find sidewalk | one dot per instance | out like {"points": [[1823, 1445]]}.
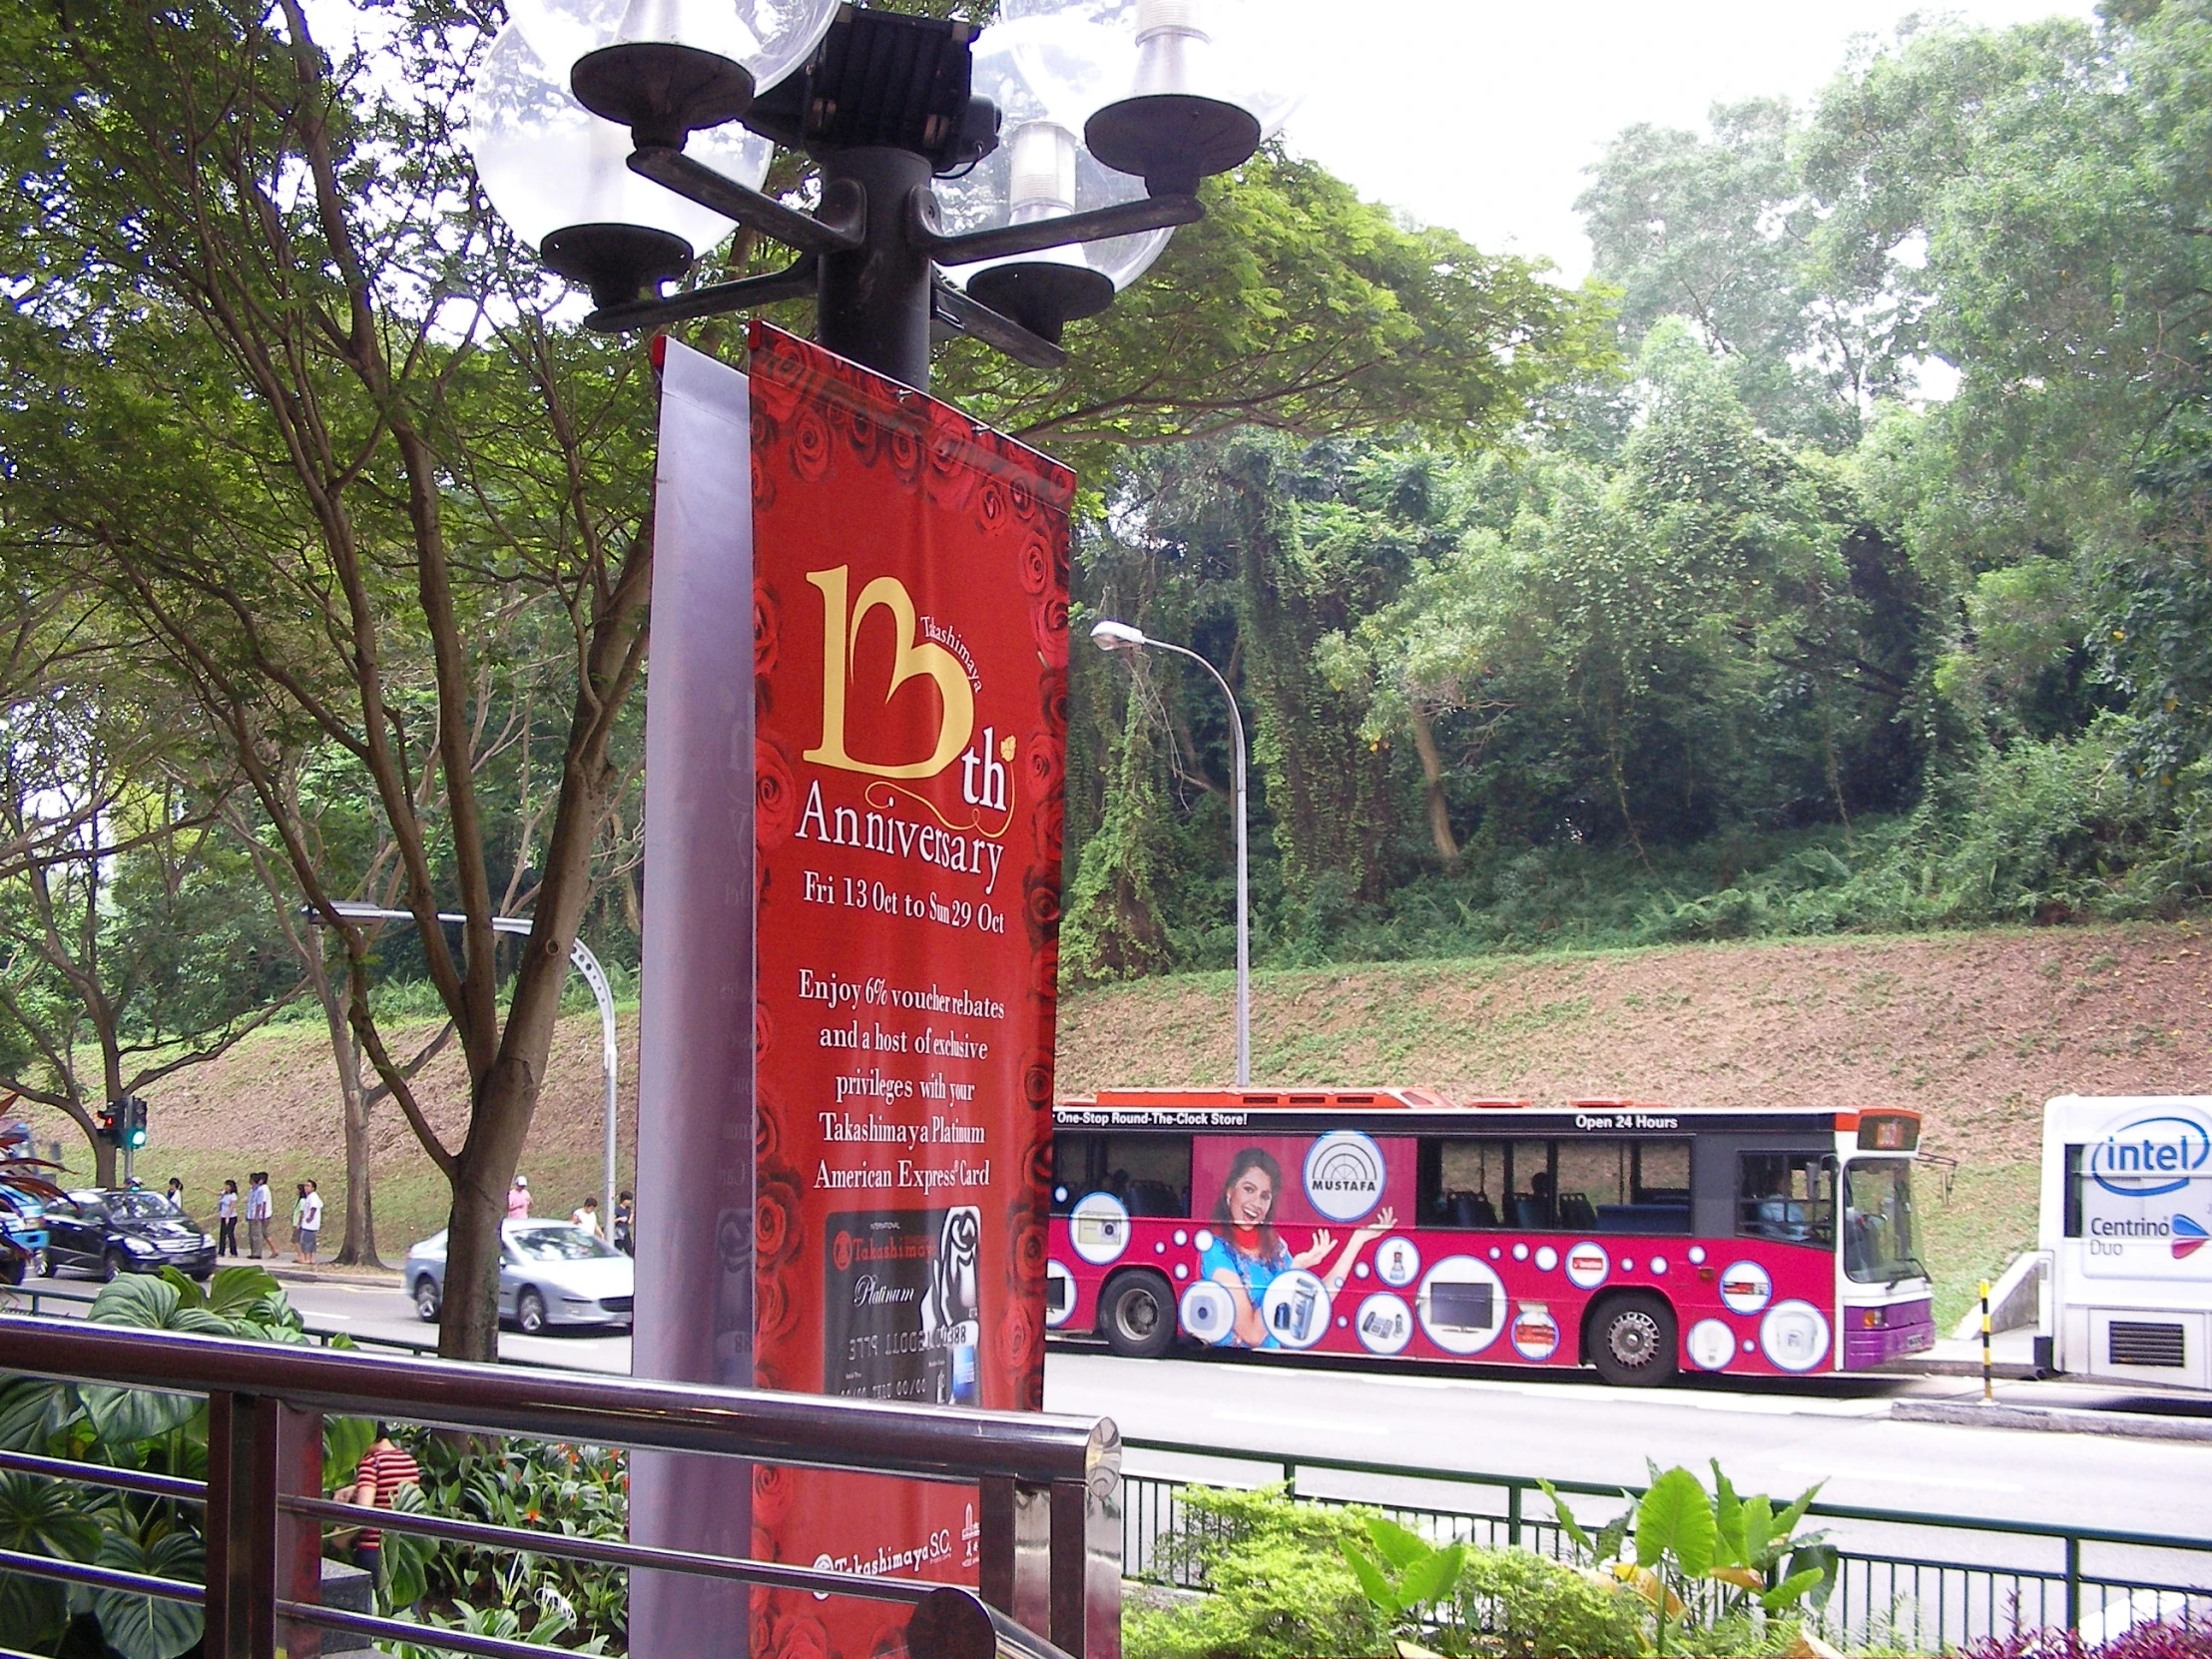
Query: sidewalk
{"points": [[291, 1273]]}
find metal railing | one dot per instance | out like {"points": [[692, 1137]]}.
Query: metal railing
{"points": [[2089, 1578], [1048, 1487]]}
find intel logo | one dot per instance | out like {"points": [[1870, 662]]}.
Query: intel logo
{"points": [[2150, 1156]]}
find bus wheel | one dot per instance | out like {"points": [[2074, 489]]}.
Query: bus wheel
{"points": [[1137, 1315], [1631, 1340]]}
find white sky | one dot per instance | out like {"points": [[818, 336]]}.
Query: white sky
{"points": [[1481, 116]]}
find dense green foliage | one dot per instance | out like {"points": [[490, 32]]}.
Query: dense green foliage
{"points": [[1760, 638]]}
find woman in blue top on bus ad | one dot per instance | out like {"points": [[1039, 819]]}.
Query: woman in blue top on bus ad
{"points": [[1247, 1256]]}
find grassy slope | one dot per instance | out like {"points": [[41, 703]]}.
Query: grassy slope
{"points": [[1974, 1029]]}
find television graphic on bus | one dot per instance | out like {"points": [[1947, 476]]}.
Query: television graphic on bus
{"points": [[1641, 1240]]}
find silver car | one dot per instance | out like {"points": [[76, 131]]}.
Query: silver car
{"points": [[550, 1273]]}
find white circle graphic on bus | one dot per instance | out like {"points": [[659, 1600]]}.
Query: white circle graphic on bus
{"points": [[1712, 1344], [1343, 1176], [1099, 1228], [1744, 1286], [1059, 1294], [1296, 1310], [1546, 1258], [1386, 1324], [1208, 1311], [1794, 1335], [1535, 1332], [1462, 1305], [1397, 1262], [1588, 1266]]}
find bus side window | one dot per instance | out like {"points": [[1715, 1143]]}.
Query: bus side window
{"points": [[2073, 1191], [1076, 1168], [1461, 1183], [1787, 1196], [1150, 1174]]}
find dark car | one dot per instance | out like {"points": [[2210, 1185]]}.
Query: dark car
{"points": [[107, 1233]]}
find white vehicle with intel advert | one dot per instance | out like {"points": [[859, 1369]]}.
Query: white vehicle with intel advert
{"points": [[2127, 1234]]}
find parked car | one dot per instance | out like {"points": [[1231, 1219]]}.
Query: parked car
{"points": [[112, 1232], [550, 1273]]}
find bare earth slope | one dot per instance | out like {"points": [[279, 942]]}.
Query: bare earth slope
{"points": [[1974, 1029]]}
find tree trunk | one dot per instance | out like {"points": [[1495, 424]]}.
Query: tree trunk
{"points": [[1433, 770], [359, 1246], [469, 1326]]}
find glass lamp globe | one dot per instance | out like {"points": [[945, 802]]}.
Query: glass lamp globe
{"points": [[668, 68], [1210, 81], [1046, 72], [557, 174]]}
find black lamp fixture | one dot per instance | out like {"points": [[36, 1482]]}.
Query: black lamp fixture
{"points": [[998, 187]]}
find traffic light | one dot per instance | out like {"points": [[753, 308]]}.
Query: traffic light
{"points": [[134, 1122], [107, 1127]]}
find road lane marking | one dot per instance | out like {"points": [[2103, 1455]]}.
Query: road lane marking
{"points": [[1963, 1483]]}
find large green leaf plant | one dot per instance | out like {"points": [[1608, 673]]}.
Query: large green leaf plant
{"points": [[131, 1428]]}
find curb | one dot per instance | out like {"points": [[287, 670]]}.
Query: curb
{"points": [[2053, 1420], [291, 1273], [2008, 1371]]}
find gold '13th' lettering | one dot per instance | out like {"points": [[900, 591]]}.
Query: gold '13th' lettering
{"points": [[841, 644]]}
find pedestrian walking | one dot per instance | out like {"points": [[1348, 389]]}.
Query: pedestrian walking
{"points": [[626, 1223], [587, 1217], [176, 1194], [260, 1207], [311, 1221], [384, 1468], [227, 1220], [518, 1199]]}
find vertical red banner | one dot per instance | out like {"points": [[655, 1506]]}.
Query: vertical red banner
{"points": [[910, 692]]}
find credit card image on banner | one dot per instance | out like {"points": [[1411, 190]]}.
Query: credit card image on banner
{"points": [[900, 1312]]}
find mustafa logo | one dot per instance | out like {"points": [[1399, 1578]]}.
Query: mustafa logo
{"points": [[1343, 1176], [2151, 1156]]}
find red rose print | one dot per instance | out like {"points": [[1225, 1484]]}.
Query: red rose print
{"points": [[1044, 970], [990, 505], [1040, 1159], [1056, 700], [1040, 902], [1049, 822], [800, 1636], [1022, 1352], [777, 1207], [1044, 759], [775, 797], [951, 469], [1036, 1078], [763, 487], [764, 1031], [1049, 620], [1025, 1245], [890, 1642], [904, 449], [1036, 568], [809, 445], [1021, 496], [773, 1485], [860, 428], [773, 1315], [766, 629]]}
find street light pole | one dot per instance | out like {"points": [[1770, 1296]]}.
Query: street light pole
{"points": [[1119, 636], [585, 963]]}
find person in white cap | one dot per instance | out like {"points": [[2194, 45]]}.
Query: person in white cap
{"points": [[518, 1199]]}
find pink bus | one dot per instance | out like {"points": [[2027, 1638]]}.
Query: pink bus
{"points": [[1638, 1239]]}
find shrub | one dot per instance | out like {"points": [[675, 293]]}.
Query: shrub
{"points": [[1532, 1607]]}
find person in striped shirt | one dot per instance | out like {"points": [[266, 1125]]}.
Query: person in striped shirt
{"points": [[384, 1468]]}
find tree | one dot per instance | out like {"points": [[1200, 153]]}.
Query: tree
{"points": [[126, 943], [283, 390]]}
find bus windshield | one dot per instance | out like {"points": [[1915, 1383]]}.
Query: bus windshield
{"points": [[1879, 1241]]}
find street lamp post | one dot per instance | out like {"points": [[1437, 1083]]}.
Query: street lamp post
{"points": [[1119, 636], [621, 155], [594, 975]]}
